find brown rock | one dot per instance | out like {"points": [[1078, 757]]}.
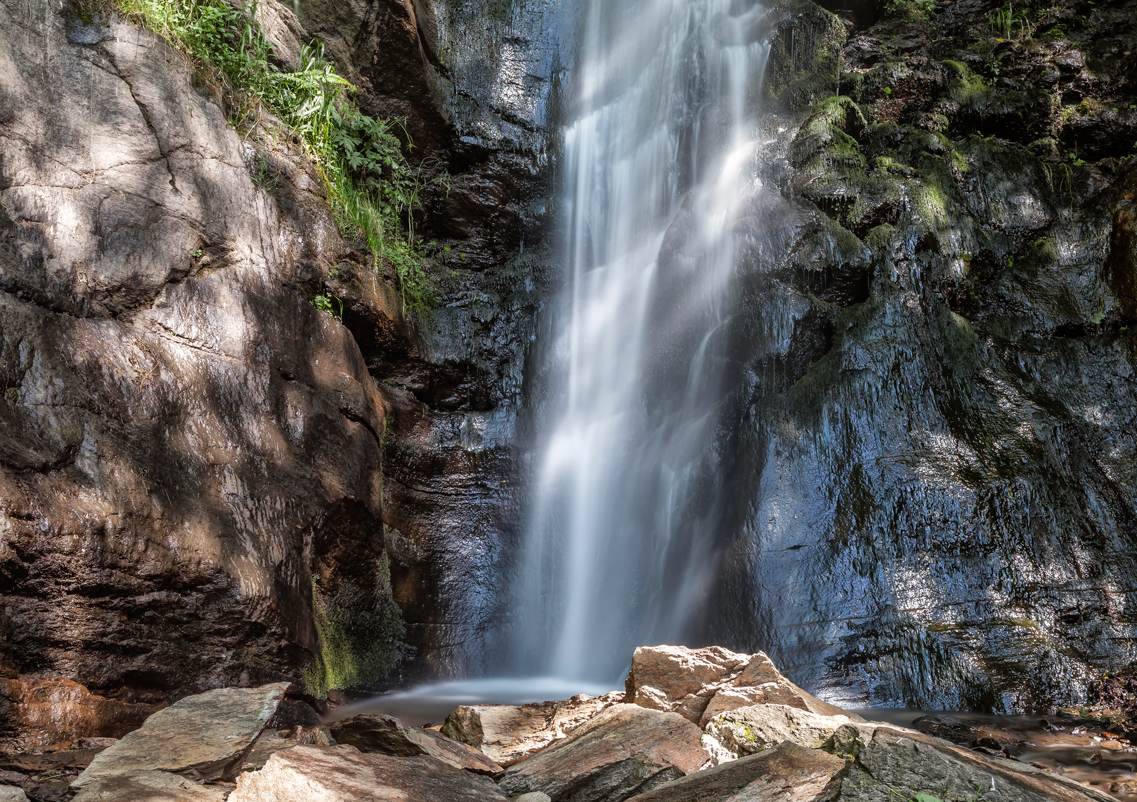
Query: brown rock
{"points": [[623, 751], [509, 733], [786, 773], [55, 713], [387, 735], [208, 734], [344, 774], [699, 684], [148, 786]]}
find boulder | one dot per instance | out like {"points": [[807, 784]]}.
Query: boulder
{"points": [[206, 735], [387, 735], [622, 751], [786, 773], [344, 774], [887, 764], [747, 730], [148, 786], [699, 684], [509, 733]]}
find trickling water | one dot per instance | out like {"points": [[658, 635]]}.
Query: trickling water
{"points": [[660, 161]]}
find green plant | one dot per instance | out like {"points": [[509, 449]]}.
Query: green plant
{"points": [[326, 302], [922, 10], [373, 189], [1010, 24]]}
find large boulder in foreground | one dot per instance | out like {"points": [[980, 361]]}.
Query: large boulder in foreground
{"points": [[206, 736], [620, 752], [344, 774], [787, 773], [387, 735], [699, 684], [509, 733]]}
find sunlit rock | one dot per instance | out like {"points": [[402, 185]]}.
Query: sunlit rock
{"points": [[622, 751], [788, 773], [509, 733], [701, 683], [344, 774], [207, 734]]}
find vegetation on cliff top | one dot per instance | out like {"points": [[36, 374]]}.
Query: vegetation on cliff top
{"points": [[372, 188]]}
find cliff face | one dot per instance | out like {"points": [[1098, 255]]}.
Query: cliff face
{"points": [[186, 440], [922, 491], [189, 446], [927, 472]]}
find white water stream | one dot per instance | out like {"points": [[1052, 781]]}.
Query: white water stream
{"points": [[659, 161]]}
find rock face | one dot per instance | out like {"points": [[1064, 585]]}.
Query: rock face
{"points": [[623, 750], [207, 735], [787, 773], [344, 774], [387, 735], [53, 713], [933, 413], [509, 733], [186, 443], [477, 87], [699, 684]]}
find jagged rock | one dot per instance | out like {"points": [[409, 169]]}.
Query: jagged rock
{"points": [[387, 735], [622, 751], [10, 793], [701, 683], [886, 762], [747, 730], [344, 774], [509, 733], [207, 734], [786, 773], [148, 786]]}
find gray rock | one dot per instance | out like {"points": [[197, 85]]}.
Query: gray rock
{"points": [[532, 796], [623, 751], [387, 735], [344, 774], [148, 786], [10, 793], [208, 734], [886, 763], [747, 730], [786, 773]]}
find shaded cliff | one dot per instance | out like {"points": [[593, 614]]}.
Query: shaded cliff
{"points": [[925, 479]]}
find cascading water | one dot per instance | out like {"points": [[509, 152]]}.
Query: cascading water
{"points": [[659, 162]]}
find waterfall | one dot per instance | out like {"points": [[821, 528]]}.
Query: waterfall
{"points": [[659, 162]]}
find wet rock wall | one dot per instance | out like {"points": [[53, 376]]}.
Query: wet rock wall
{"points": [[926, 474]]}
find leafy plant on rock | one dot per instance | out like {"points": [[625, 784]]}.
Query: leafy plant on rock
{"points": [[373, 188]]}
